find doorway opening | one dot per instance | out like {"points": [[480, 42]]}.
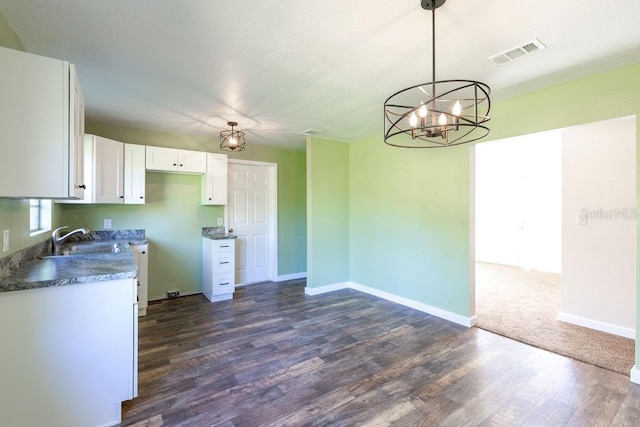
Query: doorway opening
{"points": [[555, 232]]}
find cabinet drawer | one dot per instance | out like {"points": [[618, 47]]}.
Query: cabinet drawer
{"points": [[223, 284], [223, 246], [223, 262]]}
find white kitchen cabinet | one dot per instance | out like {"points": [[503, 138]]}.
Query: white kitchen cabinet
{"points": [[41, 127], [114, 172], [134, 174], [214, 182], [162, 159], [218, 268], [108, 173], [141, 255], [69, 354]]}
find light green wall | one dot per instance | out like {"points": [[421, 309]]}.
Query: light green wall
{"points": [[173, 216], [327, 212], [8, 37], [409, 217]]}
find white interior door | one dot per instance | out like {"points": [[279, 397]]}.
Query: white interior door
{"points": [[250, 218]]}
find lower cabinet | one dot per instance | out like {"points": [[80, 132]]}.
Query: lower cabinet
{"points": [[218, 268], [69, 354], [141, 255]]}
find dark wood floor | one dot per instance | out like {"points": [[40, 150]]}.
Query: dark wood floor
{"points": [[273, 356]]}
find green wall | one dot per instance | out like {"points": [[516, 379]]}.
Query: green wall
{"points": [[327, 212], [409, 216], [173, 216], [8, 37]]}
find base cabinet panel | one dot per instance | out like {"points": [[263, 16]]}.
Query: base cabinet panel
{"points": [[68, 354], [141, 256]]}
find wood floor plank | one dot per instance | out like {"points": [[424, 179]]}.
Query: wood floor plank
{"points": [[274, 356]]}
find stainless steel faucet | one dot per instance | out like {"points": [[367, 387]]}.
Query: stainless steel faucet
{"points": [[57, 240]]}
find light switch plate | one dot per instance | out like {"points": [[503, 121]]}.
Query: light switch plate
{"points": [[107, 224]]}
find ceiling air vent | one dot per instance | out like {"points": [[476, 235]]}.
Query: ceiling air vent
{"points": [[517, 52]]}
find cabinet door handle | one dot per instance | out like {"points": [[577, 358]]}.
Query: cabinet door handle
{"points": [[209, 198], [144, 252], [225, 262], [175, 164], [224, 246], [141, 197], [122, 197], [223, 284], [180, 164], [84, 187]]}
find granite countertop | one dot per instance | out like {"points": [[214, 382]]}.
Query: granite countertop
{"points": [[70, 270], [32, 269], [216, 233]]}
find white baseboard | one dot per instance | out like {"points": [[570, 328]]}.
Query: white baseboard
{"points": [[325, 289], [598, 326], [425, 308], [292, 276], [635, 375]]}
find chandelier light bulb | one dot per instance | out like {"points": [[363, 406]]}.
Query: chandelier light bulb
{"points": [[232, 141], [413, 119], [442, 120], [423, 111], [457, 109]]}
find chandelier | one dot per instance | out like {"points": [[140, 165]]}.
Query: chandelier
{"points": [[440, 113], [232, 140]]}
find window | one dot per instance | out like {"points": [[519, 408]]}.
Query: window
{"points": [[39, 216]]}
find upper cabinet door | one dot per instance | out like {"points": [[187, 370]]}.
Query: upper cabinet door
{"points": [[214, 182], [77, 184], [108, 170], [192, 161], [162, 159], [134, 174], [36, 117]]}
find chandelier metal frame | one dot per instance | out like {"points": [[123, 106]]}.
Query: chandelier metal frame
{"points": [[232, 140], [436, 114]]}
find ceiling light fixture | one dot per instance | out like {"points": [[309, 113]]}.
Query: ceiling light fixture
{"points": [[440, 113], [232, 140]]}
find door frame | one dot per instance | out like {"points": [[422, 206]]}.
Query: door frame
{"points": [[272, 243]]}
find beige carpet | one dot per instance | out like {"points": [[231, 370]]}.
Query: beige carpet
{"points": [[524, 305]]}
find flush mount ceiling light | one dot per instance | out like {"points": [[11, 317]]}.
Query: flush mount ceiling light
{"points": [[232, 140], [440, 113]]}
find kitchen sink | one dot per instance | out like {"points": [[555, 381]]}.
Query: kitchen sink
{"points": [[88, 248]]}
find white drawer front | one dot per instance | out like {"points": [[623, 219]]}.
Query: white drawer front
{"points": [[223, 246], [223, 284], [223, 263]]}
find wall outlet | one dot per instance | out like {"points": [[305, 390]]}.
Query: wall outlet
{"points": [[173, 294], [219, 220], [107, 224], [5, 241]]}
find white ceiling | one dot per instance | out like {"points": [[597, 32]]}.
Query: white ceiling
{"points": [[284, 66]]}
